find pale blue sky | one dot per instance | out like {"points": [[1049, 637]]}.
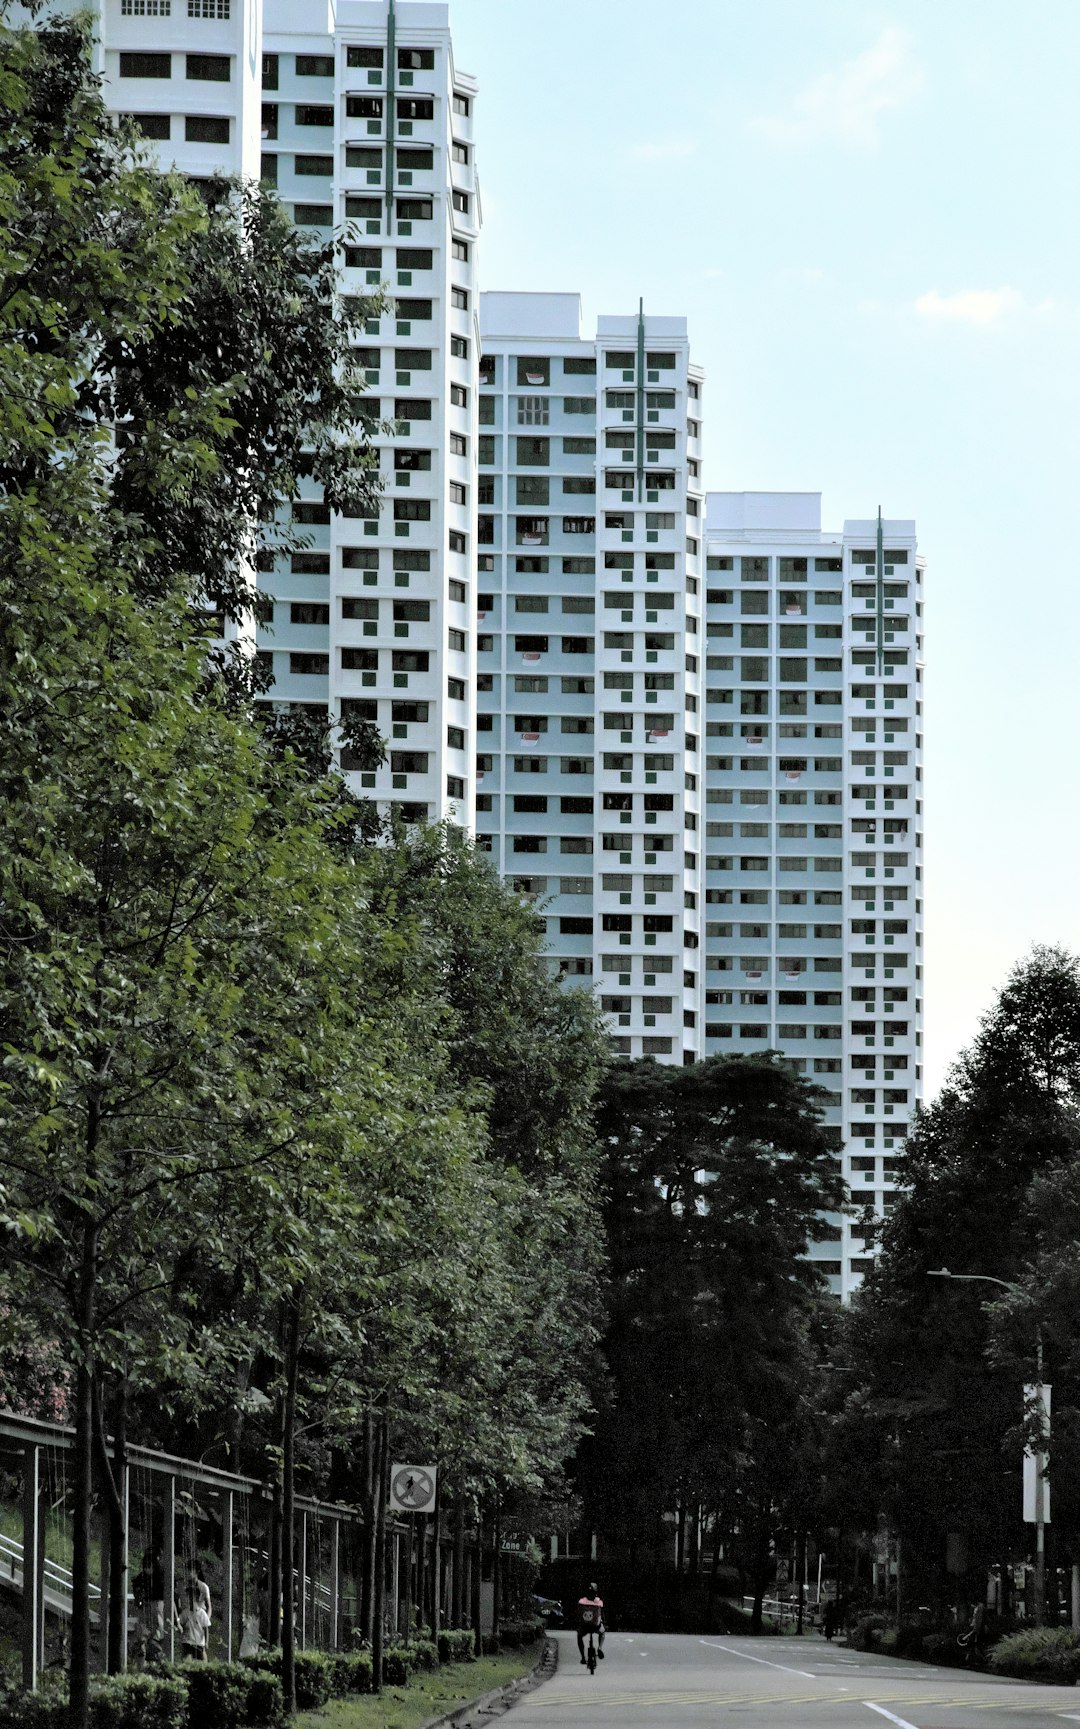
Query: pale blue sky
{"points": [[868, 214]]}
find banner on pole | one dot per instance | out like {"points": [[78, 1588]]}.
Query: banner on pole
{"points": [[1035, 1462]]}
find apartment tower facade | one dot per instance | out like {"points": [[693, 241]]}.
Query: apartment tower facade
{"points": [[687, 725]]}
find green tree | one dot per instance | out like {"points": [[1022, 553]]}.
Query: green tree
{"points": [[987, 1175], [715, 1180]]}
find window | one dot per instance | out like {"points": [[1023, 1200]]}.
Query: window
{"points": [[362, 107], [416, 59], [532, 411], [416, 107], [412, 510], [459, 152], [269, 71], [459, 249], [460, 201], [415, 159], [461, 103], [408, 762], [459, 347], [458, 494], [309, 114], [351, 608], [322, 165], [151, 125], [146, 65], [314, 65], [309, 612], [363, 56], [209, 68], [414, 209], [312, 665], [459, 396], [459, 298], [146, 8], [206, 129]]}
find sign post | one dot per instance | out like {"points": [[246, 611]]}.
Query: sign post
{"points": [[413, 1490]]}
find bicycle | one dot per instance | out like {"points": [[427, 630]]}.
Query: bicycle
{"points": [[590, 1655]]}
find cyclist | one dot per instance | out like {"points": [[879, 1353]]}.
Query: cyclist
{"points": [[590, 1619]]}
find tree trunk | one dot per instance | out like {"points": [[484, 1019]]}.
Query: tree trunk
{"points": [[83, 1483], [457, 1598], [273, 1582], [367, 1564], [477, 1569], [680, 1541], [496, 1564], [293, 1311], [378, 1606], [112, 1475]]}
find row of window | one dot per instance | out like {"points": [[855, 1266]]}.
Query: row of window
{"points": [[198, 128], [208, 9], [305, 664], [200, 68]]}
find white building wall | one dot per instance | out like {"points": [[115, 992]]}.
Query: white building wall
{"points": [[813, 939], [589, 741], [355, 111]]}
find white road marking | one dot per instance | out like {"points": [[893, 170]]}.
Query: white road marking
{"points": [[902, 1721], [1070, 1715], [805, 1673]]}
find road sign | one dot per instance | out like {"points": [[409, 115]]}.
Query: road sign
{"points": [[412, 1488]]}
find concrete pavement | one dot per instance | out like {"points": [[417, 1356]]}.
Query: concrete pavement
{"points": [[649, 1680]]}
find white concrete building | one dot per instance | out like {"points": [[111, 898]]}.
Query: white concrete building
{"points": [[355, 111], [697, 741], [813, 829], [588, 742]]}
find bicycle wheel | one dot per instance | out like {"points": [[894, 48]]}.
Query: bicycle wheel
{"points": [[591, 1657]]}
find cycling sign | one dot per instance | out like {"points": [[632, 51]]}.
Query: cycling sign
{"points": [[412, 1488]]}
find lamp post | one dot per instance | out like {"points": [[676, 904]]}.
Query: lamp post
{"points": [[1040, 1457]]}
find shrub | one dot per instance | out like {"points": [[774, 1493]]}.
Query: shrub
{"points": [[865, 1633], [1039, 1654], [217, 1694], [489, 1644], [140, 1702], [359, 1663], [20, 1710], [456, 1645], [425, 1654], [265, 1708], [514, 1634], [314, 1672], [945, 1648], [398, 1664]]}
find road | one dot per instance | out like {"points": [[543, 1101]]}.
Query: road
{"points": [[651, 1680]]}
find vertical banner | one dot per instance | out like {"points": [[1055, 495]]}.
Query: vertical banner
{"points": [[1035, 1461]]}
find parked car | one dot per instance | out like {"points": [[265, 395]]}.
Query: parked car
{"points": [[549, 1610]]}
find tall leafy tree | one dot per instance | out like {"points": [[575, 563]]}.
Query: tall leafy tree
{"points": [[715, 1179], [988, 1180]]}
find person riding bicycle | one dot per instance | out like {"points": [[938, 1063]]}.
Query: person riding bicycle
{"points": [[590, 1619]]}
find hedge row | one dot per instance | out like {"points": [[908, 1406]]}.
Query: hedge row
{"points": [[246, 1695], [1039, 1654]]}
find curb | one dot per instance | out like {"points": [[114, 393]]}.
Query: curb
{"points": [[479, 1712]]}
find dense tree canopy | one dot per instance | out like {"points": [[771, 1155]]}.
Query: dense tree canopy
{"points": [[935, 1413]]}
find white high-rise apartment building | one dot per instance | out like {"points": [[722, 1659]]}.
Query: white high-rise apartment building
{"points": [[589, 744], [813, 819], [699, 737], [355, 111]]}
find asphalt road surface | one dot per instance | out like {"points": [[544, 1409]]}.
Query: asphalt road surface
{"points": [[648, 1680]]}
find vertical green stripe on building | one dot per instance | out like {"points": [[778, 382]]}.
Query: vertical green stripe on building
{"points": [[880, 594], [391, 94], [640, 398]]}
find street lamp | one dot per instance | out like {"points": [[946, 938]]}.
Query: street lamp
{"points": [[1040, 1457]]}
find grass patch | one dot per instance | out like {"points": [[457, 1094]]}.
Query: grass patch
{"points": [[427, 1695]]}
